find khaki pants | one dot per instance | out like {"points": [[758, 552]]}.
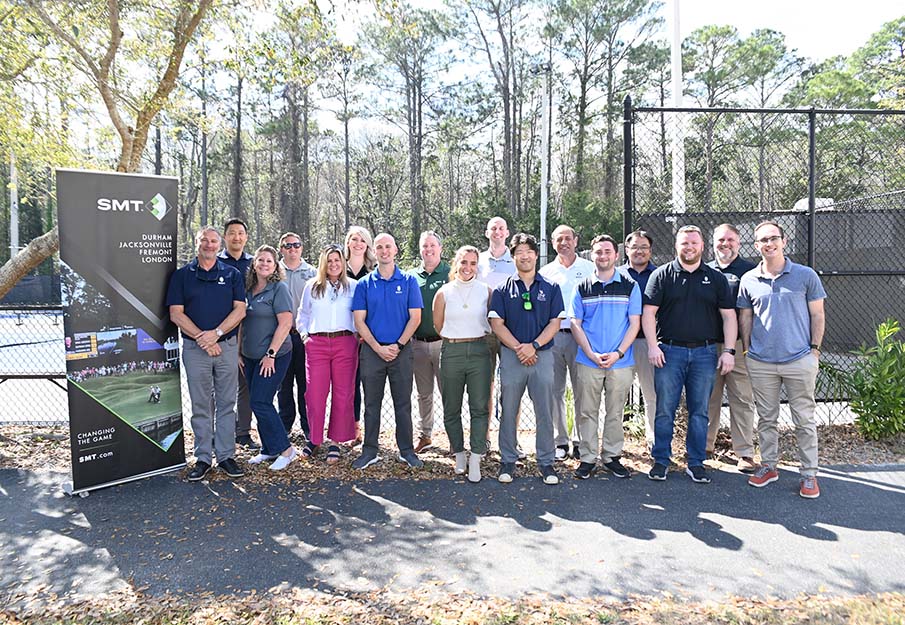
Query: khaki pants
{"points": [[741, 406], [800, 379], [645, 372], [614, 384], [427, 370]]}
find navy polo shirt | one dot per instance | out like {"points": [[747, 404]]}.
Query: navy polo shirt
{"points": [[734, 272], [207, 296], [241, 264], [507, 304], [387, 303], [641, 277], [689, 302]]}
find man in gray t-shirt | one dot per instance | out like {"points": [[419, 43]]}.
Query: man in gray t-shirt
{"points": [[781, 323]]}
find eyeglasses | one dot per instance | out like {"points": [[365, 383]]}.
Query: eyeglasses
{"points": [[768, 240], [526, 301], [288, 246], [639, 248]]}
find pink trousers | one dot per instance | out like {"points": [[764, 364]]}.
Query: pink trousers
{"points": [[331, 361]]}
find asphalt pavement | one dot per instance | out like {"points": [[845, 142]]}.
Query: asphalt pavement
{"points": [[601, 537]]}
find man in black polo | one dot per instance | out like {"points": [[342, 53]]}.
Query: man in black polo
{"points": [[688, 309]]}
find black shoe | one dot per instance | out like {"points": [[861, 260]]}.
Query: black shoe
{"points": [[562, 452], [247, 442], [698, 475], [658, 472], [549, 474], [584, 470], [230, 467], [615, 467], [507, 472], [199, 471], [576, 455]]}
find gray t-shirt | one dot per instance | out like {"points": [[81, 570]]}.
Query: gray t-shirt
{"points": [[261, 320], [781, 331]]}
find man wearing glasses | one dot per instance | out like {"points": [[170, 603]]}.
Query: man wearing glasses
{"points": [[782, 350], [206, 299], [525, 314], [638, 249], [298, 272]]}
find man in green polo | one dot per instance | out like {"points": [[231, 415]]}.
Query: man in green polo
{"points": [[431, 274]]}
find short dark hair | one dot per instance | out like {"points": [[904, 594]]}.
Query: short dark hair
{"points": [[233, 221], [770, 222], [602, 238], [523, 238], [639, 234]]}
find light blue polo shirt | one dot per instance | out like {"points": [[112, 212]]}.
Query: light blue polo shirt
{"points": [[604, 309], [387, 303]]}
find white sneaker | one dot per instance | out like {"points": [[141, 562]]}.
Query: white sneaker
{"points": [[461, 462], [284, 461], [474, 468], [521, 454], [260, 458]]}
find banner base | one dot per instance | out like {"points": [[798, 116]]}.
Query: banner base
{"points": [[68, 488]]}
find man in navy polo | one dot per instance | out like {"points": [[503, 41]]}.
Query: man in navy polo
{"points": [[207, 301], [687, 305], [387, 310], [235, 237], [525, 313]]}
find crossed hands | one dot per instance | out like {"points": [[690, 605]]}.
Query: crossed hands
{"points": [[526, 354]]}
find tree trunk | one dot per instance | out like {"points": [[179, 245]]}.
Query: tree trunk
{"points": [[305, 199], [235, 196]]}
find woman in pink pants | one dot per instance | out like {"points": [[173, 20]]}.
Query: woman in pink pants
{"points": [[325, 323]]}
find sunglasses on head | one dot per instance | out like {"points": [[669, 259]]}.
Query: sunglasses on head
{"points": [[296, 245], [526, 301]]}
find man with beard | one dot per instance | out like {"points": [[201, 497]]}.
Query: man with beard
{"points": [[688, 309]]}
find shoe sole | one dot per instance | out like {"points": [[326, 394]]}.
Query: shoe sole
{"points": [[656, 478], [764, 483], [581, 477], [409, 464], [200, 477], [369, 463], [504, 479], [234, 475], [815, 496], [619, 475], [551, 481], [697, 480]]}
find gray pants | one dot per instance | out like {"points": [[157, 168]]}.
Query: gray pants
{"points": [[645, 372], [218, 375], [374, 373], [564, 351], [427, 370], [538, 378]]}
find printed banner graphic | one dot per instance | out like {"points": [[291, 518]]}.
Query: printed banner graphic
{"points": [[118, 250]]}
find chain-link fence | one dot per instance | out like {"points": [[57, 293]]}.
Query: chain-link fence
{"points": [[832, 179]]}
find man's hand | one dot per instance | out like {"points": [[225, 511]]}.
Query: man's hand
{"points": [[655, 357], [388, 352], [214, 350], [206, 339], [525, 352], [726, 363], [608, 359]]}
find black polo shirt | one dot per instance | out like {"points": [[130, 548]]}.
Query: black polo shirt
{"points": [[689, 302], [734, 272]]}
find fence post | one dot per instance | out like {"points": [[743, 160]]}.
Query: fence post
{"points": [[812, 185], [627, 168]]}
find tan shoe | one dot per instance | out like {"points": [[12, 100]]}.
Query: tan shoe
{"points": [[746, 464], [423, 443]]}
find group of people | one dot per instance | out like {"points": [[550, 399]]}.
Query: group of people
{"points": [[344, 328]]}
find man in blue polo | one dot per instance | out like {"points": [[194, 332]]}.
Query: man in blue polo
{"points": [[387, 310], [207, 301], [687, 303], [606, 316], [235, 237], [525, 313]]}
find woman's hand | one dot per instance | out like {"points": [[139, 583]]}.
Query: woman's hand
{"points": [[267, 366]]}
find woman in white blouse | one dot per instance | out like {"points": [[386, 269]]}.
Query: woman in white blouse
{"points": [[460, 316], [331, 352]]}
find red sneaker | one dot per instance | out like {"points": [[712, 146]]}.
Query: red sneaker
{"points": [[764, 475], [808, 487]]}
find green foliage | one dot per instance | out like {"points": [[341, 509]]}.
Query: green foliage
{"points": [[877, 384]]}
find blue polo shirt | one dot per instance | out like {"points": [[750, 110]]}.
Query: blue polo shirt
{"points": [[641, 278], [241, 264], [207, 296], [604, 309], [507, 304], [387, 303]]}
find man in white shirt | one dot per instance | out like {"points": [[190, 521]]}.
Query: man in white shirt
{"points": [[567, 270], [495, 264]]}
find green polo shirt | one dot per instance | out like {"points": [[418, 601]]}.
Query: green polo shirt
{"points": [[429, 283]]}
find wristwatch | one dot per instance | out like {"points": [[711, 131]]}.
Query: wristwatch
{"points": [[729, 350], [621, 353], [218, 332], [815, 346], [271, 353], [535, 345], [400, 345]]}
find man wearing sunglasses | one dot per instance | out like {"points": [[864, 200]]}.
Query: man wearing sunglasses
{"points": [[525, 314], [298, 272], [782, 350]]}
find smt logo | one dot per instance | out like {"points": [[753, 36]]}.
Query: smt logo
{"points": [[157, 205]]}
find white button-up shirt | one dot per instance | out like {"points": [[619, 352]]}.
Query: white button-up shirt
{"points": [[568, 278], [330, 313]]}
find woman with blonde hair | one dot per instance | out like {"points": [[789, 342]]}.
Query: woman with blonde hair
{"points": [[460, 316], [331, 347], [360, 261], [266, 351]]}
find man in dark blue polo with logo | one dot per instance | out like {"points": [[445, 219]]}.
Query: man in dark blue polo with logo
{"points": [[687, 305], [207, 301], [525, 314], [387, 310]]}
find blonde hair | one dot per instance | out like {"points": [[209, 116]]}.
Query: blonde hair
{"points": [[251, 278], [370, 257], [460, 254], [320, 281]]}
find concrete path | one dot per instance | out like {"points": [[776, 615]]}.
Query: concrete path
{"points": [[603, 537]]}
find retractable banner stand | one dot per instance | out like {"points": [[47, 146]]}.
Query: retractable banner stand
{"points": [[118, 250]]}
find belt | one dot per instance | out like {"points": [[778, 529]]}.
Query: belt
{"points": [[332, 335], [690, 344], [471, 340], [566, 330], [431, 339]]}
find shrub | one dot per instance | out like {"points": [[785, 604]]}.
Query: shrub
{"points": [[877, 384]]}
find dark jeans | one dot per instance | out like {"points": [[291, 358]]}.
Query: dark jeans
{"points": [[285, 399], [261, 390], [694, 370], [374, 374]]}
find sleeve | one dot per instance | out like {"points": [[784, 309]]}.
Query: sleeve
{"points": [[653, 294], [497, 303], [744, 298], [238, 287], [634, 301], [175, 294], [577, 304], [360, 297], [557, 307], [303, 316], [282, 300], [815, 290], [725, 300], [415, 299]]}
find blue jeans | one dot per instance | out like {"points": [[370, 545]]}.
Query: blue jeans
{"points": [[261, 390], [694, 370]]}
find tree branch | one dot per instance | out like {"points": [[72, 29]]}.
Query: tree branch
{"points": [[30, 257]]}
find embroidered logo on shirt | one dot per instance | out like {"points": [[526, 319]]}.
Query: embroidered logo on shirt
{"points": [[220, 280], [398, 289], [541, 296], [706, 280]]}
